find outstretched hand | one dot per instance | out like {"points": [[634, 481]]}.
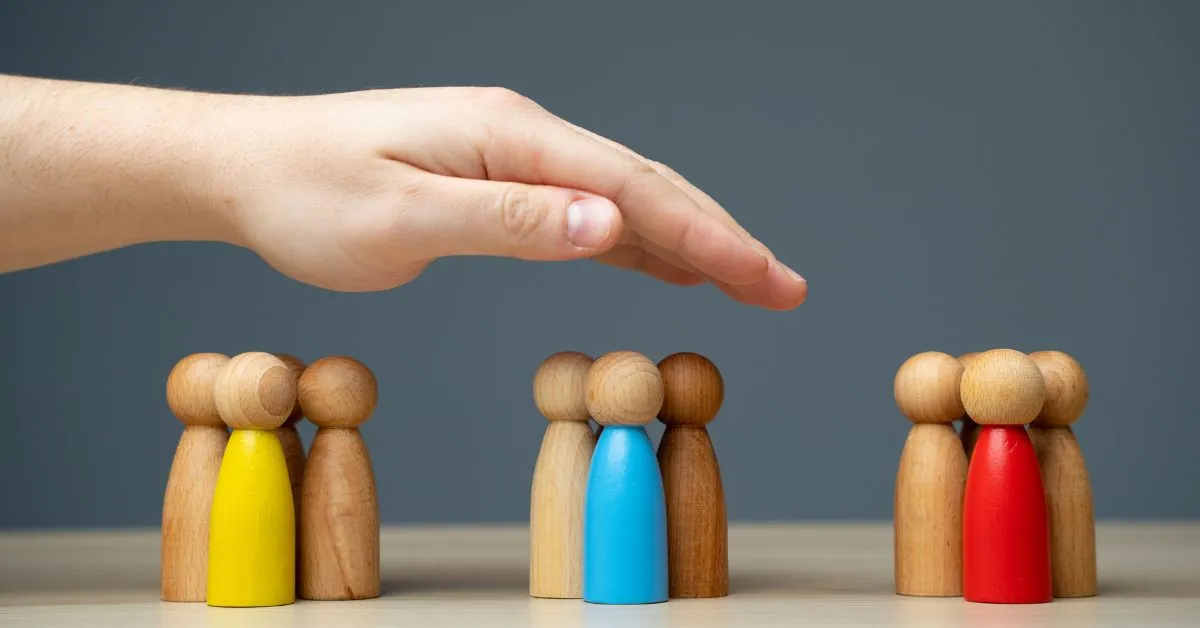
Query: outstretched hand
{"points": [[363, 190]]}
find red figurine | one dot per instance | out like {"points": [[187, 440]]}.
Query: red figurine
{"points": [[1006, 535]]}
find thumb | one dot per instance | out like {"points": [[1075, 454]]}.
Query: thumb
{"points": [[530, 222]]}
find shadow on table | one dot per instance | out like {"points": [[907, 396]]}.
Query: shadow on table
{"points": [[1150, 588]]}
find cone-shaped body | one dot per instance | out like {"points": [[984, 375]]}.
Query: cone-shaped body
{"points": [[625, 521], [1006, 536], [186, 507], [928, 512], [556, 510], [1072, 515], [252, 531], [697, 531]]}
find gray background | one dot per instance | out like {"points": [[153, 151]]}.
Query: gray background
{"points": [[950, 176]]}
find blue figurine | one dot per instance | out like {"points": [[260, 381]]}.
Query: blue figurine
{"points": [[625, 514]]}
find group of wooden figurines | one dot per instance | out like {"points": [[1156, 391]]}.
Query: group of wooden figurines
{"points": [[612, 521], [999, 512], [248, 518]]}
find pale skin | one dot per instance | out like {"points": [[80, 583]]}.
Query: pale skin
{"points": [[355, 191]]}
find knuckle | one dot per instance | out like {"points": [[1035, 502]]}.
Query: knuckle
{"points": [[665, 170], [642, 169], [403, 200], [504, 98], [638, 176], [520, 214], [386, 214]]}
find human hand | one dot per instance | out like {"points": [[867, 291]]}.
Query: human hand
{"points": [[354, 191], [363, 190]]}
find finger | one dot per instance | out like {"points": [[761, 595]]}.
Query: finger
{"points": [[635, 258], [700, 197], [767, 293], [517, 220], [534, 147], [782, 288], [778, 292], [634, 239]]}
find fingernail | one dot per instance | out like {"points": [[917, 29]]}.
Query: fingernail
{"points": [[589, 221], [793, 274]]}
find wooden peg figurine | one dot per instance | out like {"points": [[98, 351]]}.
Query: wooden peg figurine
{"points": [[560, 478], [252, 535], [931, 480], [1068, 487], [625, 517], [193, 477], [697, 528], [1006, 536], [339, 510], [970, 429], [289, 436]]}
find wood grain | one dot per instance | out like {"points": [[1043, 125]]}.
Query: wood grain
{"points": [[556, 510], [289, 436], [1072, 517], [560, 477], [697, 535], [1002, 387], [255, 390], [189, 496], [928, 499], [623, 388], [293, 455], [930, 485], [339, 519], [1065, 474], [339, 509], [969, 431], [697, 525], [193, 477]]}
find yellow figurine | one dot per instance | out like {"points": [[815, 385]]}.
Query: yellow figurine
{"points": [[252, 527]]}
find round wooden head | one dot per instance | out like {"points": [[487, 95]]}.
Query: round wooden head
{"points": [[255, 390], [926, 388], [1003, 387], [338, 391], [1066, 388], [624, 388], [560, 385], [190, 389], [296, 367], [693, 390]]}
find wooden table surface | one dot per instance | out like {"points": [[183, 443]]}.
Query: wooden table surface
{"points": [[786, 575]]}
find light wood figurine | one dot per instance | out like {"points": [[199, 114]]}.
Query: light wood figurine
{"points": [[252, 534], [970, 429], [293, 448], [560, 478], [1064, 472], [931, 478], [193, 477], [289, 436], [339, 509], [697, 528]]}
